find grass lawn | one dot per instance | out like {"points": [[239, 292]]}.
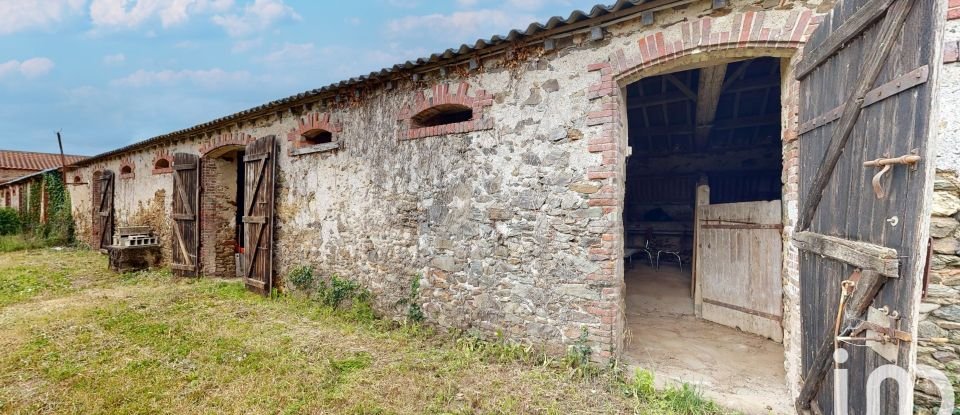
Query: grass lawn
{"points": [[76, 338]]}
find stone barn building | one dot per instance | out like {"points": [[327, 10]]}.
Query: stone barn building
{"points": [[678, 183], [17, 166]]}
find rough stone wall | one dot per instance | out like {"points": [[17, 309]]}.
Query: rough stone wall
{"points": [[144, 198], [513, 221], [940, 309]]}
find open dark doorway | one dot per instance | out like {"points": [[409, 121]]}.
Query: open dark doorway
{"points": [[222, 203], [702, 230]]}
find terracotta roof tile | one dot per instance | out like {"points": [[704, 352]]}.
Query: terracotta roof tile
{"points": [[25, 160]]}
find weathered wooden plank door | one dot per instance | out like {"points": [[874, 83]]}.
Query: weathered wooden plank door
{"points": [[867, 91], [259, 164], [186, 232], [739, 262], [105, 209]]}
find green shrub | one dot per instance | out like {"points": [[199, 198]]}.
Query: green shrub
{"points": [[301, 277], [340, 289], [9, 221]]}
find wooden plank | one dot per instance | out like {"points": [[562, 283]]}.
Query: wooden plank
{"points": [[183, 216], [708, 98], [841, 134], [254, 219], [182, 245], [702, 199], [185, 202], [760, 314], [850, 29], [869, 284], [748, 226], [859, 254], [256, 157], [731, 262], [191, 166], [902, 83], [899, 84], [181, 267], [254, 282]]}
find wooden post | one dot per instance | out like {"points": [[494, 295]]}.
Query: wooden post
{"points": [[703, 199], [63, 161]]}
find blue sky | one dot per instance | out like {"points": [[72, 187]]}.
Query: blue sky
{"points": [[113, 72]]}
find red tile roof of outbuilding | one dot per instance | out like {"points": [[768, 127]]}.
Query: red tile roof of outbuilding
{"points": [[25, 160]]}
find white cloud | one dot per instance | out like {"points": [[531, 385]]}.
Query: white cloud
{"points": [[208, 78], [30, 68], [467, 3], [19, 15], [244, 45], [256, 17], [528, 5], [115, 59], [133, 13], [301, 52], [462, 26]]}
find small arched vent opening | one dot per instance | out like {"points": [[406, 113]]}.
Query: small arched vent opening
{"points": [[77, 180], [442, 114], [162, 164], [314, 137], [126, 170]]}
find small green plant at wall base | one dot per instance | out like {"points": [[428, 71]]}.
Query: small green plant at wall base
{"points": [[302, 277], [414, 312]]}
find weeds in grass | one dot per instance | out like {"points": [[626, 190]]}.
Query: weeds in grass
{"points": [[499, 350], [145, 344], [684, 399], [414, 311], [20, 242]]}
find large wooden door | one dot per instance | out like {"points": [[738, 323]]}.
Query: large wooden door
{"points": [[186, 196], [105, 209], [740, 258], [867, 91], [259, 164]]}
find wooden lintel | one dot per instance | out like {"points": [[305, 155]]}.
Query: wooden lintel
{"points": [[755, 121], [862, 255], [708, 98]]}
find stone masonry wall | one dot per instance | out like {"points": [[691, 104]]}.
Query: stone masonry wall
{"points": [[511, 220]]}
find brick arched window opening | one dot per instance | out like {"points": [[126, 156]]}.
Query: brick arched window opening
{"points": [[162, 164], [441, 115], [126, 171], [77, 180], [318, 136]]}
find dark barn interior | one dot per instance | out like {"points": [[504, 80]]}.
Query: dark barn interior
{"points": [[718, 126], [680, 138]]}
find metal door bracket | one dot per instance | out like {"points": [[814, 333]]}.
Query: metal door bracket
{"points": [[885, 164]]}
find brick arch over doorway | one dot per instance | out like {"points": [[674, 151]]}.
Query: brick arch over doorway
{"points": [[689, 45]]}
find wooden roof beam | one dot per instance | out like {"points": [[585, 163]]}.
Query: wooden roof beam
{"points": [[708, 98]]}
